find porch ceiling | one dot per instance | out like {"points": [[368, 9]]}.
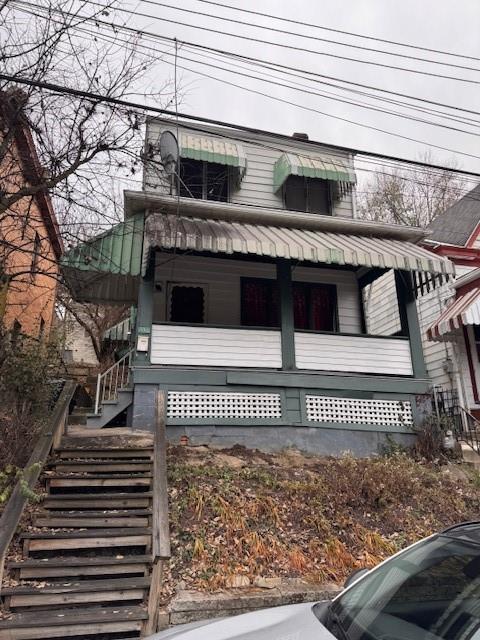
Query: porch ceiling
{"points": [[168, 231]]}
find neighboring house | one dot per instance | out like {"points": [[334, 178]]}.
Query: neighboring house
{"points": [[30, 243], [78, 346], [249, 271]]}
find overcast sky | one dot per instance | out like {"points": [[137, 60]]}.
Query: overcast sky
{"points": [[437, 24]]}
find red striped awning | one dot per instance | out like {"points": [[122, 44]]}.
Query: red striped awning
{"points": [[464, 310]]}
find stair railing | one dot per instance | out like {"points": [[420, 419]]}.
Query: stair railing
{"points": [[468, 430], [49, 438], [113, 379]]}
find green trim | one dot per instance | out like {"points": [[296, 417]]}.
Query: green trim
{"points": [[284, 279], [292, 164], [407, 308], [145, 314], [212, 149]]}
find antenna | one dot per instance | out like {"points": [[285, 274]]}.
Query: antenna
{"points": [[168, 147]]}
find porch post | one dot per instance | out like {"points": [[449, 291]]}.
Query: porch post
{"points": [[145, 311], [407, 308], [284, 281]]}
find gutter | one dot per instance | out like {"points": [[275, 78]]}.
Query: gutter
{"points": [[137, 201]]}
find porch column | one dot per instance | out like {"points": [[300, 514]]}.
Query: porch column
{"points": [[407, 308], [145, 312], [284, 280]]}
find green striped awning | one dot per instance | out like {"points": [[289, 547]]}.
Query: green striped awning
{"points": [[292, 164], [211, 149], [108, 265]]}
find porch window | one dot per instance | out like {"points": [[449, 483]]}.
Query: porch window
{"points": [[309, 195], [259, 303], [186, 303], [204, 180], [315, 306]]}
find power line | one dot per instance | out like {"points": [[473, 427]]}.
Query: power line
{"points": [[270, 64], [332, 30], [155, 3], [286, 46], [210, 121]]}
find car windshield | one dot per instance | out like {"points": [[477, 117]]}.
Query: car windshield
{"points": [[429, 592]]}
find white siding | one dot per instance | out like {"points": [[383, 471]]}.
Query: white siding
{"points": [[222, 280], [79, 343], [352, 354], [257, 185], [212, 347]]}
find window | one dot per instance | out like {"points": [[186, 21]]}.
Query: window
{"points": [[37, 245], [186, 303], [310, 195], [259, 303], [315, 306], [204, 180], [476, 335], [16, 333], [41, 331]]}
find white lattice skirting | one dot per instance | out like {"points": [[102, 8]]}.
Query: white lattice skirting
{"points": [[384, 413], [204, 404]]}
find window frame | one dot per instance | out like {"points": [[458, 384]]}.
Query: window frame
{"points": [[273, 283], [198, 285], [204, 176], [306, 182], [37, 247], [309, 286]]}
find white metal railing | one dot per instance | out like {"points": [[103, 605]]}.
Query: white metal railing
{"points": [[113, 379]]}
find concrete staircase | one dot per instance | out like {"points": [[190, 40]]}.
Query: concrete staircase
{"points": [[470, 456], [85, 570]]}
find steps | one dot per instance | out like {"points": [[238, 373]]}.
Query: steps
{"points": [[470, 456], [110, 409], [86, 564]]}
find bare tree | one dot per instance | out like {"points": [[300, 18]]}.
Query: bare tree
{"points": [[85, 146], [412, 195]]}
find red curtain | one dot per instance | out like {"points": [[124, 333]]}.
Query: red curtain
{"points": [[254, 307], [300, 307], [322, 300]]}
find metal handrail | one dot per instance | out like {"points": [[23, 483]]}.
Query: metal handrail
{"points": [[468, 430], [112, 380]]}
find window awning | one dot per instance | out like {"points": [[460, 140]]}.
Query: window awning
{"points": [[210, 149], [106, 267], [168, 231], [463, 311], [292, 164]]}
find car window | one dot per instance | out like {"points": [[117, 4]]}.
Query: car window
{"points": [[430, 592]]}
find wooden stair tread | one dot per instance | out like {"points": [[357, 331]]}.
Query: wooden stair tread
{"points": [[66, 617], [81, 561], [84, 522], [114, 584], [98, 496], [102, 513], [89, 477], [97, 533]]}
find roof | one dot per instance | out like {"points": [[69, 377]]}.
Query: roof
{"points": [[169, 231], [458, 222], [11, 112]]}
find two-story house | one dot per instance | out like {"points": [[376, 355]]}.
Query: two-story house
{"points": [[248, 268]]}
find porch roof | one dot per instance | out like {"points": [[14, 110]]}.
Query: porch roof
{"points": [[463, 311], [168, 231]]}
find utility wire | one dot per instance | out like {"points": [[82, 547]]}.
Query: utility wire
{"points": [[332, 30], [270, 64], [264, 42], [48, 86], [155, 3]]}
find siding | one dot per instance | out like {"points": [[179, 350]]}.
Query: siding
{"points": [[352, 354], [222, 280], [381, 306], [257, 185], [212, 347]]}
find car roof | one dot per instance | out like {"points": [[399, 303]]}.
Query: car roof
{"points": [[465, 531]]}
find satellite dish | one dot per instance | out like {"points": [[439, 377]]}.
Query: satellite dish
{"points": [[168, 147]]}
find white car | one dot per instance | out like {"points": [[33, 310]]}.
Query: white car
{"points": [[430, 591]]}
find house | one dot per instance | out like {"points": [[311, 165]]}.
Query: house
{"points": [[248, 268], [450, 315], [30, 242]]}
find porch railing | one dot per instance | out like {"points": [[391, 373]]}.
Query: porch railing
{"points": [[468, 430], [465, 426], [111, 381]]}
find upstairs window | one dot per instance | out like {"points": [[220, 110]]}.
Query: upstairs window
{"points": [[309, 195], [37, 245], [205, 180]]}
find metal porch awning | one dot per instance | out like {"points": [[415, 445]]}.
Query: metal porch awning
{"points": [[211, 149], [463, 311], [106, 268], [292, 164], [168, 231]]}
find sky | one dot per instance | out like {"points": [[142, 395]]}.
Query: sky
{"points": [[438, 24]]}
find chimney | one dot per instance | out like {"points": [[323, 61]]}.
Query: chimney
{"points": [[300, 136]]}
